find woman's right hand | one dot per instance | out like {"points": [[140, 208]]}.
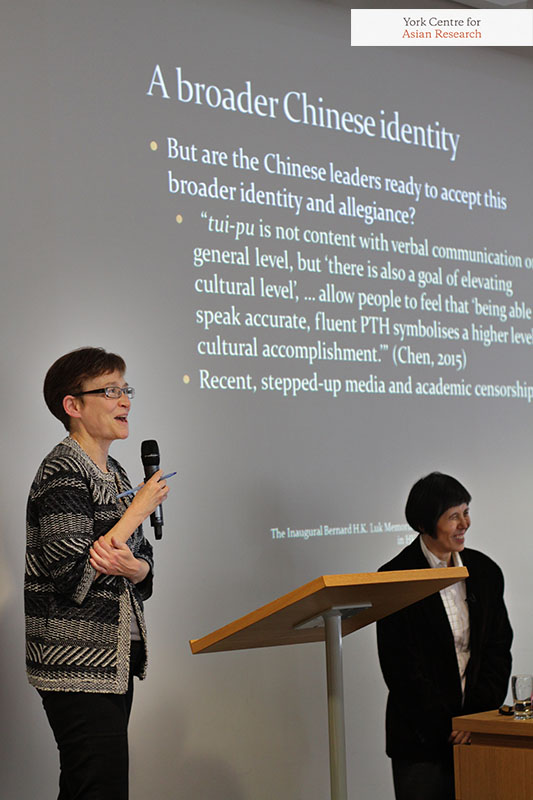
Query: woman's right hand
{"points": [[144, 503], [153, 493]]}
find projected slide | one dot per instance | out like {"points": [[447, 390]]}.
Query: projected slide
{"points": [[325, 264]]}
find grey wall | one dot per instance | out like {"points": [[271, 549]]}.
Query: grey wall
{"points": [[92, 254]]}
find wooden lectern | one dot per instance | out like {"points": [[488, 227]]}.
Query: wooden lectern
{"points": [[498, 764], [327, 609]]}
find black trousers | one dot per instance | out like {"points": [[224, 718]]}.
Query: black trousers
{"points": [[423, 780], [91, 732]]}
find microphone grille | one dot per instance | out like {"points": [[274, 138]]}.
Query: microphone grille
{"points": [[150, 452]]}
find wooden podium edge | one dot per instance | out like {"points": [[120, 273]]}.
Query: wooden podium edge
{"points": [[322, 582]]}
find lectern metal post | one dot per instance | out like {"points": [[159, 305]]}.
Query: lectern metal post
{"points": [[331, 621], [337, 734]]}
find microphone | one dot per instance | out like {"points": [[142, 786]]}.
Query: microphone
{"points": [[150, 460]]}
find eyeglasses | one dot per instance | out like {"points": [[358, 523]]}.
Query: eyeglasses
{"points": [[111, 391]]}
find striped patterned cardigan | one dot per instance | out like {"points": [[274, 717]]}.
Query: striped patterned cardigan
{"points": [[78, 623]]}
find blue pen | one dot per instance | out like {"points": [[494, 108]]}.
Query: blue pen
{"points": [[134, 491]]}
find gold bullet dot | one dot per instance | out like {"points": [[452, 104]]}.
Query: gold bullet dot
{"points": [[179, 219], [186, 379], [153, 146]]}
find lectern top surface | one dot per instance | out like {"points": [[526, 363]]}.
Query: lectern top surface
{"points": [[491, 722], [275, 623]]}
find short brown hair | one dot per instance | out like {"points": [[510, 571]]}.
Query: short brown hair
{"points": [[67, 375]]}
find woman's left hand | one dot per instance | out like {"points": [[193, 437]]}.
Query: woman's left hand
{"points": [[117, 559]]}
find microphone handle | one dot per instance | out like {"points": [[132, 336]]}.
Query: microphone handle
{"points": [[156, 519]]}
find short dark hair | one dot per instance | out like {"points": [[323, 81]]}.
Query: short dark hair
{"points": [[67, 375], [430, 497]]}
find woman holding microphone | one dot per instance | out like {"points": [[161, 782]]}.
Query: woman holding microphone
{"points": [[88, 571]]}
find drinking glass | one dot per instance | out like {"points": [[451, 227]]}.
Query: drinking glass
{"points": [[522, 688]]}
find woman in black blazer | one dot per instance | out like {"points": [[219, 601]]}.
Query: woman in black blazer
{"points": [[446, 655]]}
